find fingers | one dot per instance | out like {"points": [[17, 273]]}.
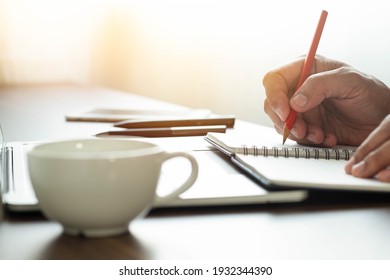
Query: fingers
{"points": [[308, 134], [372, 158], [348, 92], [332, 79], [302, 131], [278, 84], [318, 87], [384, 175]]}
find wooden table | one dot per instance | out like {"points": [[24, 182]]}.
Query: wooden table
{"points": [[332, 226]]}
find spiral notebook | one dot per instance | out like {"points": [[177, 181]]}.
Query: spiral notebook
{"points": [[218, 184], [293, 166]]}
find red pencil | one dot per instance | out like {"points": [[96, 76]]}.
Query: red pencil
{"points": [[307, 65]]}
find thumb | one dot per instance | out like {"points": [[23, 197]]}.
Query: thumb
{"points": [[321, 86]]}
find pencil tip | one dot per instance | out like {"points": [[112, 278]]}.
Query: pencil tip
{"points": [[286, 133]]}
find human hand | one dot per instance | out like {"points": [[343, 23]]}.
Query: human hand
{"points": [[372, 158], [335, 105]]}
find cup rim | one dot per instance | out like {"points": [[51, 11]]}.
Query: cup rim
{"points": [[40, 150]]}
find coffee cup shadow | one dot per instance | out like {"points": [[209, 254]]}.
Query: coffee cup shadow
{"points": [[67, 247]]}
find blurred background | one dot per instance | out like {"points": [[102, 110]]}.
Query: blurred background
{"points": [[198, 53]]}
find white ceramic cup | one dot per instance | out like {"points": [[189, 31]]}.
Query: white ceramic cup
{"points": [[96, 187]]}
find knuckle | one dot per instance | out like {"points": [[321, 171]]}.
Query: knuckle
{"points": [[266, 106], [372, 163], [268, 77], [360, 153], [386, 124]]}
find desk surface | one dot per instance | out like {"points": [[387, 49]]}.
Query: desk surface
{"points": [[327, 230]]}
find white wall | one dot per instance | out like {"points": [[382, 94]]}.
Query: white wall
{"points": [[200, 53], [214, 53]]}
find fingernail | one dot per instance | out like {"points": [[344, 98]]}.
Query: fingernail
{"points": [[349, 165], [312, 137], [294, 132], [384, 175], [359, 168], [299, 100], [279, 113]]}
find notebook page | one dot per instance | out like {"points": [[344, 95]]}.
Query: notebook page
{"points": [[310, 173]]}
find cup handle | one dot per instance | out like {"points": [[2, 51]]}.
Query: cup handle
{"points": [[189, 181]]}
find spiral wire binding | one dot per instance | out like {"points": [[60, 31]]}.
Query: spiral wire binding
{"points": [[307, 153]]}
